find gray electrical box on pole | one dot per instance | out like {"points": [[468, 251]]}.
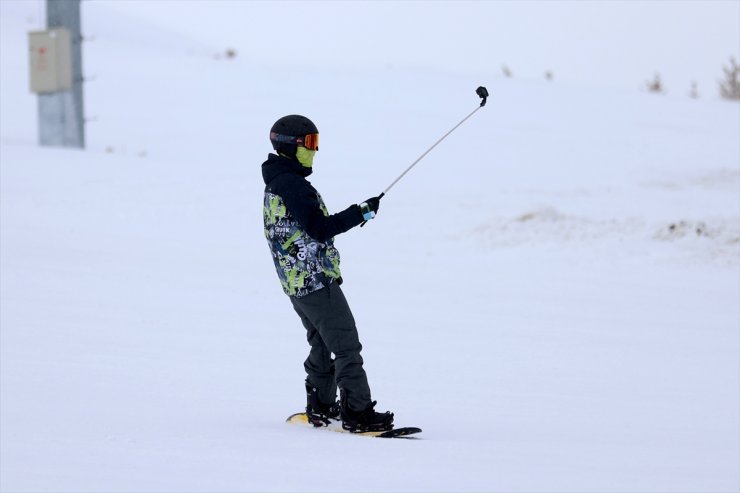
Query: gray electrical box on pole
{"points": [[56, 75], [51, 60]]}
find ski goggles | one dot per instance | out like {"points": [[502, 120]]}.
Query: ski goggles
{"points": [[310, 141]]}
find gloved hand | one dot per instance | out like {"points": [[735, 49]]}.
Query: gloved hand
{"points": [[370, 208]]}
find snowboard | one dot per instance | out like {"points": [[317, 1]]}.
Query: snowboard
{"points": [[336, 425]]}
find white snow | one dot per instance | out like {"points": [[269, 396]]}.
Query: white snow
{"points": [[553, 294]]}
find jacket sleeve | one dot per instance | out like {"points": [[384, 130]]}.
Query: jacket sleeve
{"points": [[302, 201]]}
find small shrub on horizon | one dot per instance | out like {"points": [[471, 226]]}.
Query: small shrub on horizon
{"points": [[655, 85], [694, 94], [729, 88]]}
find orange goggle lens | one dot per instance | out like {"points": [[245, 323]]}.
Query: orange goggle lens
{"points": [[311, 142]]}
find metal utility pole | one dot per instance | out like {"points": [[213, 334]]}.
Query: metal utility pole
{"points": [[56, 75]]}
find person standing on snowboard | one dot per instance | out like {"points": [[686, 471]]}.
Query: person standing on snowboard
{"points": [[300, 232]]}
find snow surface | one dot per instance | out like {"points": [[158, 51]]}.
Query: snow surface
{"points": [[553, 294]]}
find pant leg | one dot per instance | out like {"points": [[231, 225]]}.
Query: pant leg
{"points": [[328, 311], [319, 366]]}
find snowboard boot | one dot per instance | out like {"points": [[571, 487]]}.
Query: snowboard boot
{"points": [[366, 420], [319, 413]]}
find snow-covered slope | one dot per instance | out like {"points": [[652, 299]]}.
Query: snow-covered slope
{"points": [[552, 294]]}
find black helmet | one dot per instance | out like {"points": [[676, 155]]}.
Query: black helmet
{"points": [[289, 131]]}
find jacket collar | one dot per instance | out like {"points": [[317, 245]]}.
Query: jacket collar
{"points": [[277, 165]]}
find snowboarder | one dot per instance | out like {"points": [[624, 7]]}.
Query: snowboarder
{"points": [[300, 232]]}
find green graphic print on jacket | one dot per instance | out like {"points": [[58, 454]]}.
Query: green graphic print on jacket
{"points": [[303, 264]]}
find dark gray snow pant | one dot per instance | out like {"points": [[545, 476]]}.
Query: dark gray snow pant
{"points": [[330, 329]]}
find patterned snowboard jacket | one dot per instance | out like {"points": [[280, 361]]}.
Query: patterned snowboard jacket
{"points": [[299, 229]]}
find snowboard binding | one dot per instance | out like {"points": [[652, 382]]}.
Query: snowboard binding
{"points": [[318, 413]]}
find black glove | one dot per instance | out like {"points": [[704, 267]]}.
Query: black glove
{"points": [[370, 207]]}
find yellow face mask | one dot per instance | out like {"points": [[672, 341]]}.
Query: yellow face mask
{"points": [[305, 157]]}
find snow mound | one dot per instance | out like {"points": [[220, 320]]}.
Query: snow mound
{"points": [[549, 225], [710, 239]]}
